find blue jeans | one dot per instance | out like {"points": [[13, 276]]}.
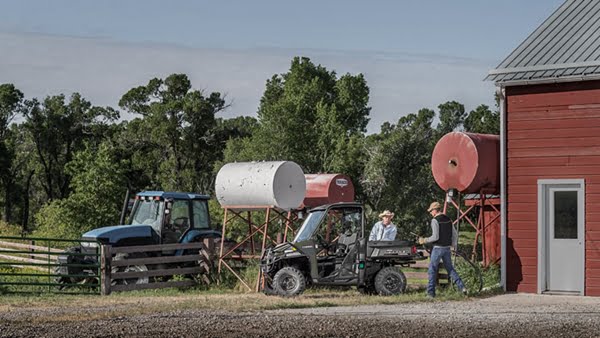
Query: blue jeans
{"points": [[442, 253]]}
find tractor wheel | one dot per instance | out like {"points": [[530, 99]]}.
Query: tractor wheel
{"points": [[62, 277], [129, 268], [65, 282], [390, 281], [289, 282], [206, 276]]}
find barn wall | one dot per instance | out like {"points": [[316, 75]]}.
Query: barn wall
{"points": [[553, 131]]}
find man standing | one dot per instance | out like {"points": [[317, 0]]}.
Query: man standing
{"points": [[443, 237], [384, 230]]}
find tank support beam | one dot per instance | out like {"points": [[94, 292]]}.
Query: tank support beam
{"points": [[274, 219], [487, 217]]}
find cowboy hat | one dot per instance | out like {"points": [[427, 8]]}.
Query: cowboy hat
{"points": [[386, 213], [434, 205]]}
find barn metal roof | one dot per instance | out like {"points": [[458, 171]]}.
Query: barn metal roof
{"points": [[565, 47]]}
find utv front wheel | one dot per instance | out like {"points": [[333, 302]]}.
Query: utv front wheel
{"points": [[289, 282], [390, 281]]}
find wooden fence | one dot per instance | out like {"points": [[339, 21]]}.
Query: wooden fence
{"points": [[39, 255], [417, 277], [116, 273]]}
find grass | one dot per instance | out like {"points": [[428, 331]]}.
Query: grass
{"points": [[166, 300]]}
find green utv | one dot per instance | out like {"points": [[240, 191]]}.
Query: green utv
{"points": [[332, 249]]}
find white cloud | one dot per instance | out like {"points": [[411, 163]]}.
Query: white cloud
{"points": [[103, 70]]}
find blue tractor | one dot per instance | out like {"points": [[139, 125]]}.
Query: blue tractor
{"points": [[157, 217]]}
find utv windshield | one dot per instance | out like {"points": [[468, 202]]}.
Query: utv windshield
{"points": [[148, 212], [309, 226]]}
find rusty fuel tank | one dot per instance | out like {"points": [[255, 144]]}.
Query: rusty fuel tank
{"points": [[467, 162], [327, 188]]}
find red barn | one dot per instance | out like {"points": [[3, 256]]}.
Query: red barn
{"points": [[549, 89]]}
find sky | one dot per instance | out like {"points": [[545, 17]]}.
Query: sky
{"points": [[413, 54]]}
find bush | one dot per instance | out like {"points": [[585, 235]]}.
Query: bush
{"points": [[10, 229]]}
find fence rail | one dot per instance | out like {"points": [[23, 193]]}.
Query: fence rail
{"points": [[31, 265], [417, 276], [128, 268], [141, 269]]}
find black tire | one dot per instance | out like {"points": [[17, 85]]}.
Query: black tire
{"points": [[268, 289], [289, 282], [390, 281], [130, 268], [62, 272], [62, 280], [469, 272]]}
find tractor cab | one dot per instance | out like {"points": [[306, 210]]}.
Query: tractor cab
{"points": [[171, 215], [159, 217]]}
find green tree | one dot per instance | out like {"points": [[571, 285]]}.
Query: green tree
{"points": [[98, 186], [310, 116], [452, 115], [11, 102], [482, 120], [19, 181], [398, 174], [58, 129], [176, 137]]}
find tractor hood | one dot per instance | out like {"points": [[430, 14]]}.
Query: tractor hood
{"points": [[114, 234]]}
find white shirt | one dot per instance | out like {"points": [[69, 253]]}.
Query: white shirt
{"points": [[381, 232]]}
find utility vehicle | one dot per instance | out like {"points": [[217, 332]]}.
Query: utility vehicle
{"points": [[332, 248]]}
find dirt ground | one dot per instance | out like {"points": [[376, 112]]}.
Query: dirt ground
{"points": [[510, 315]]}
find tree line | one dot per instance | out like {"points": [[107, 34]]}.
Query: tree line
{"points": [[65, 164]]}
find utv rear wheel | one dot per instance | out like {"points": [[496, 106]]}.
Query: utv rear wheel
{"points": [[390, 281], [289, 282]]}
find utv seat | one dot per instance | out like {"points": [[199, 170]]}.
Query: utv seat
{"points": [[346, 242]]}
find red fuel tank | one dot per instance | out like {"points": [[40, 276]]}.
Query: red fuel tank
{"points": [[327, 188], [467, 162]]}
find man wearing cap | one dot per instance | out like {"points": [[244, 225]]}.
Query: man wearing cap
{"points": [[443, 237], [384, 230]]}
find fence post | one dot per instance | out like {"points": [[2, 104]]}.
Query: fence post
{"points": [[32, 242], [105, 268], [209, 243]]}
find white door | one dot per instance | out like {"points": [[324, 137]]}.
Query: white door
{"points": [[563, 226]]}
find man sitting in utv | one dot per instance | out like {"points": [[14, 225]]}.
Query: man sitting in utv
{"points": [[384, 230]]}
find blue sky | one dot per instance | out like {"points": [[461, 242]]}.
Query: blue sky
{"points": [[414, 54]]}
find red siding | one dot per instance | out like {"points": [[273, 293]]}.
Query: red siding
{"points": [[552, 132]]}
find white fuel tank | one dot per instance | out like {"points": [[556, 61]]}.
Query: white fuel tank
{"points": [[245, 185]]}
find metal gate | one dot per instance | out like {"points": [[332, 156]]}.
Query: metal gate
{"points": [[31, 265]]}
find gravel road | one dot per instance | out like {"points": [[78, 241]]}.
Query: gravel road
{"points": [[512, 315]]}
